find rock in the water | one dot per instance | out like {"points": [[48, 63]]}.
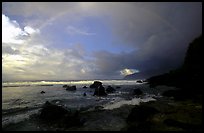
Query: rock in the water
{"points": [[139, 81], [110, 89], [42, 92], [84, 94], [84, 87], [137, 92], [118, 87], [100, 91], [65, 86], [71, 88], [96, 84]]}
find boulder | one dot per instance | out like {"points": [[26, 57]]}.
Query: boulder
{"points": [[71, 88], [42, 92], [110, 89], [65, 86], [52, 112], [139, 81], [96, 84], [137, 92], [59, 116], [100, 91], [84, 87]]}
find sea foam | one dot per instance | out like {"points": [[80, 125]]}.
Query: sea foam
{"points": [[134, 101]]}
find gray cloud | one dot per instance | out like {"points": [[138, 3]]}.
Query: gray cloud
{"points": [[9, 50]]}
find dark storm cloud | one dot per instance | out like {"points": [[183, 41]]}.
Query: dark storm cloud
{"points": [[159, 42]]}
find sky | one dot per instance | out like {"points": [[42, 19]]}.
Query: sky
{"points": [[95, 40]]}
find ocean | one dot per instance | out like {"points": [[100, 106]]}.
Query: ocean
{"points": [[22, 99]]}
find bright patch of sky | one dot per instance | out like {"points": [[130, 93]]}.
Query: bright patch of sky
{"points": [[127, 71]]}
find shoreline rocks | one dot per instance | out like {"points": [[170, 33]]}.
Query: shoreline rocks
{"points": [[96, 84], [71, 88], [100, 91], [42, 92]]}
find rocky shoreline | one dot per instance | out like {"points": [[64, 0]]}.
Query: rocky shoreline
{"points": [[164, 114]]}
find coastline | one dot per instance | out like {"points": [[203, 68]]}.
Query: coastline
{"points": [[185, 113]]}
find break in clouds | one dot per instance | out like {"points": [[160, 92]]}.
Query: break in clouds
{"points": [[95, 40]]}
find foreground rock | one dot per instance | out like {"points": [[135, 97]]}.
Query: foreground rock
{"points": [[71, 88], [110, 89], [100, 91], [96, 84], [59, 116], [165, 115], [52, 112]]}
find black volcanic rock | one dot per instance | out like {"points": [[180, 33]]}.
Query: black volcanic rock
{"points": [[96, 84], [110, 89], [71, 88], [100, 91], [139, 81], [42, 92], [65, 86], [59, 116], [52, 112]]}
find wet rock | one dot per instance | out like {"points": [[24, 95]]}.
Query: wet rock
{"points": [[137, 92], [65, 86], [118, 87], [85, 87], [42, 92], [96, 84], [60, 117], [100, 91], [110, 89], [84, 94], [52, 112], [71, 88], [139, 81]]}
